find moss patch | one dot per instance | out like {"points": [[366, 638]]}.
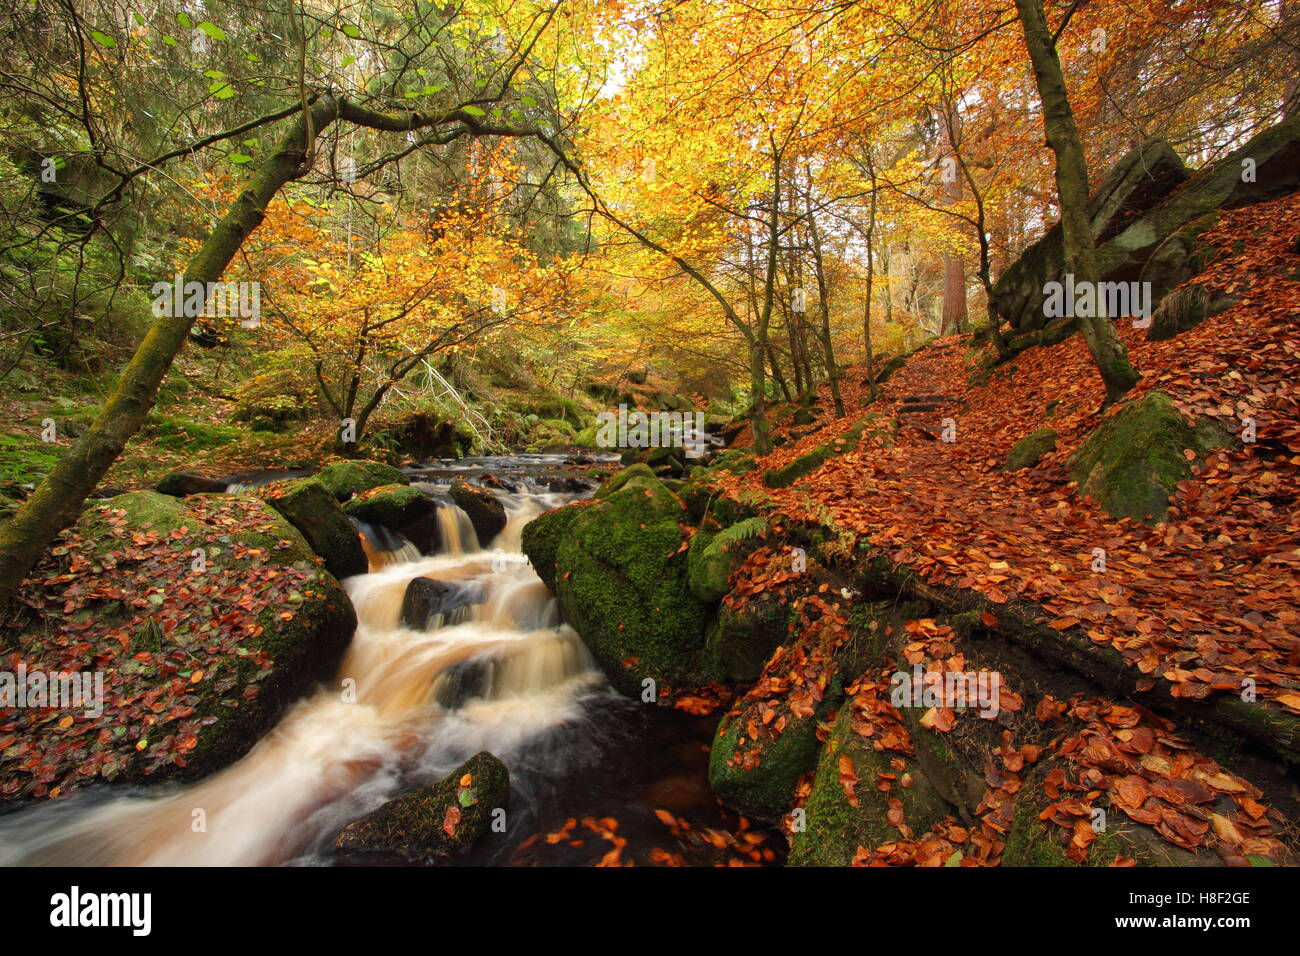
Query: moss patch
{"points": [[1029, 450], [347, 478]]}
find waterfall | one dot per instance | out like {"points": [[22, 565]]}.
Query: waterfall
{"points": [[406, 706]]}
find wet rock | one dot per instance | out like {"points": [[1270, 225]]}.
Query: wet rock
{"points": [[486, 513], [308, 506], [541, 539], [428, 601], [178, 484], [435, 823]]}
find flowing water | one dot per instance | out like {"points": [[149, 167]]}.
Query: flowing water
{"points": [[500, 672]]}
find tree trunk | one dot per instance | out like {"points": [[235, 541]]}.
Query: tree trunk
{"points": [[1108, 351], [57, 502]]}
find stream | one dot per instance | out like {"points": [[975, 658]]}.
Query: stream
{"points": [[500, 671]]}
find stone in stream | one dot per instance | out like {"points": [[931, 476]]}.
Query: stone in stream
{"points": [[347, 478], [486, 513], [620, 573], [178, 484], [394, 506], [426, 599], [435, 823], [308, 505], [216, 644]]}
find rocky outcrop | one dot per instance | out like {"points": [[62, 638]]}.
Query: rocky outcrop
{"points": [[1163, 244], [435, 823], [206, 615], [620, 572], [394, 506]]}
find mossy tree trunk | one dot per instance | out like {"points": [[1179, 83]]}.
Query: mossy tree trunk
{"points": [[1108, 351], [57, 502]]}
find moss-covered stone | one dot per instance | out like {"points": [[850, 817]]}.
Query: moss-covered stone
{"points": [[1036, 842], [740, 643], [178, 484], [834, 828], [617, 481], [393, 506], [621, 578], [435, 823], [1029, 450], [541, 539], [310, 507], [347, 478], [712, 558], [242, 538], [1133, 461], [763, 790]]}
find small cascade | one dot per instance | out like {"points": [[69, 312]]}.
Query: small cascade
{"points": [[490, 667], [456, 531], [384, 546]]}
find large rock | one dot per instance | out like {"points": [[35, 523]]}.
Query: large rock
{"points": [[1164, 244], [207, 616], [621, 579], [486, 513], [347, 478], [1133, 461], [1029, 450], [178, 484], [309, 507], [435, 823], [1138, 181], [542, 536], [740, 642], [712, 558]]}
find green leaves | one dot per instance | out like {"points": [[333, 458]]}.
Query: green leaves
{"points": [[352, 31], [212, 30], [103, 39], [472, 110], [221, 89]]}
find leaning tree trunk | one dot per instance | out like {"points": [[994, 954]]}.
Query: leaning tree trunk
{"points": [[1107, 349], [58, 500]]}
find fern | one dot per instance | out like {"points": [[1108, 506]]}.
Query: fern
{"points": [[742, 531]]}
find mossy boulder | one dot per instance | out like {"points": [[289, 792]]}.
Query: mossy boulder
{"points": [[740, 643], [435, 823], [1035, 842], [834, 827], [617, 481], [1133, 461], [224, 645], [310, 507], [486, 512], [541, 539], [347, 478], [394, 506], [712, 558], [1029, 450], [621, 578], [758, 777]]}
